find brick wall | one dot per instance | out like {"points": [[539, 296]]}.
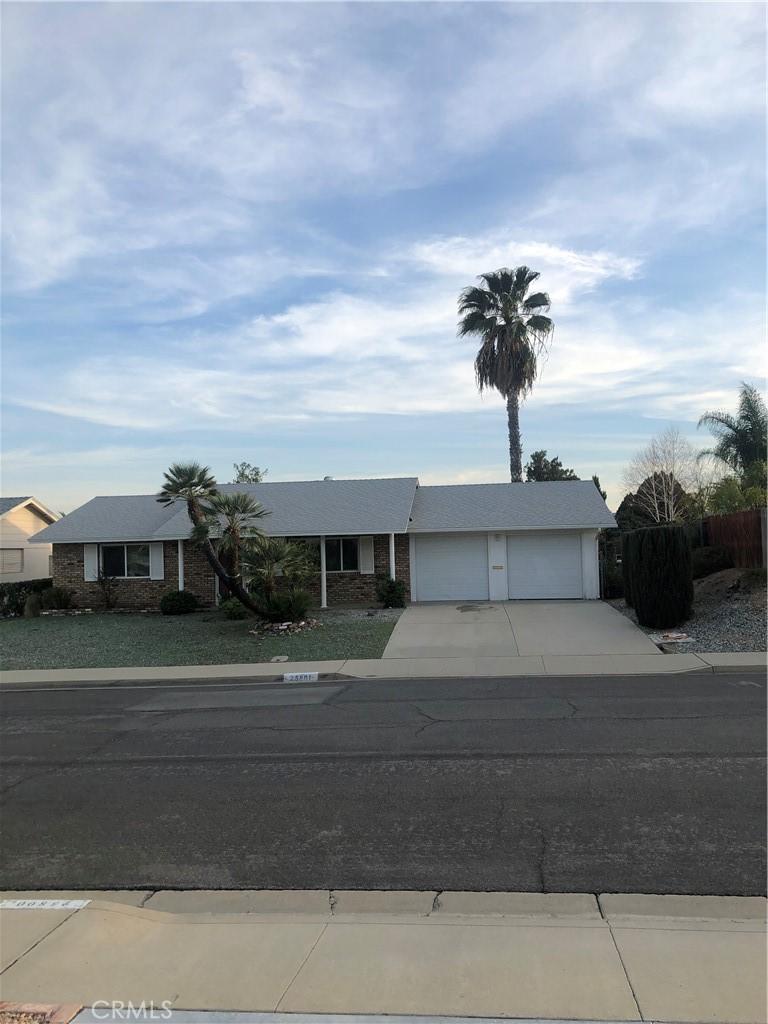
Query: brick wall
{"points": [[68, 572], [358, 588], [342, 587]]}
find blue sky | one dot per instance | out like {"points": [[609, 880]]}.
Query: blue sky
{"points": [[238, 231]]}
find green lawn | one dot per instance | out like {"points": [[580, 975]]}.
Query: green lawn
{"points": [[203, 638]]}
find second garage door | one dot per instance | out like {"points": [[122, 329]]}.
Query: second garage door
{"points": [[452, 567], [544, 565]]}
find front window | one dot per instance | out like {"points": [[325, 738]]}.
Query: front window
{"points": [[341, 554], [126, 560], [12, 560]]}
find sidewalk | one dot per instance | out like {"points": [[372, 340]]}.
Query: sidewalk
{"points": [[408, 668], [532, 955]]}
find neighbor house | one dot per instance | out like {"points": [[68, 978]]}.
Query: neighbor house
{"points": [[20, 518], [470, 542]]}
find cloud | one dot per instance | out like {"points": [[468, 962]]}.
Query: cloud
{"points": [[162, 127], [395, 352], [232, 218]]}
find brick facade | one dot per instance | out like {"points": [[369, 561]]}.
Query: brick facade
{"points": [[68, 571], [358, 588], [342, 587]]}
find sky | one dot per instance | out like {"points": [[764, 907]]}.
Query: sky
{"points": [[238, 232]]}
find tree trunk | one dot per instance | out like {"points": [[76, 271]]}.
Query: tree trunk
{"points": [[231, 582], [515, 447]]}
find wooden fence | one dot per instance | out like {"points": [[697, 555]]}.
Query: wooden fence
{"points": [[742, 533]]}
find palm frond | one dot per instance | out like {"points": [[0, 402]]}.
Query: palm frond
{"points": [[476, 322], [742, 440], [474, 298], [523, 279], [499, 282], [719, 421], [539, 300], [183, 481], [540, 326]]}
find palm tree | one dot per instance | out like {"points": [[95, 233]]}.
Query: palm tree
{"points": [[513, 332], [234, 515], [196, 487], [268, 559], [741, 440]]}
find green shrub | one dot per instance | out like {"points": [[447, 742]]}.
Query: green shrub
{"points": [[391, 593], [285, 606], [705, 561], [13, 596], [613, 580], [626, 558], [55, 598], [178, 602], [233, 609], [32, 606], [660, 571]]}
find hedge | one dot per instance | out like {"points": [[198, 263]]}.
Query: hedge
{"points": [[660, 574], [13, 596], [626, 568]]}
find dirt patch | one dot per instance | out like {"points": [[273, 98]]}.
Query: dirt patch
{"points": [[729, 584]]}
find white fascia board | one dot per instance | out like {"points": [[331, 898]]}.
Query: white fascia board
{"points": [[43, 509], [342, 533], [106, 540], [504, 529]]}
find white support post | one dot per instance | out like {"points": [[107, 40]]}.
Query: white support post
{"points": [[323, 589], [181, 564], [391, 556]]}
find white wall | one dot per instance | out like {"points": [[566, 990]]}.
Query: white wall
{"points": [[15, 529], [590, 570]]}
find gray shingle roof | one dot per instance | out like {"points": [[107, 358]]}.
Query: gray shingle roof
{"points": [[116, 517], [6, 504], [333, 507], [300, 508], [560, 504]]}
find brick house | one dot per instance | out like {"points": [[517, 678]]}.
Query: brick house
{"points": [[466, 542]]}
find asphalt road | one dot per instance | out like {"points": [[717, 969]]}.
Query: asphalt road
{"points": [[649, 784]]}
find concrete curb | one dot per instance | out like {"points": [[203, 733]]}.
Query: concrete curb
{"points": [[529, 956], [399, 668], [381, 904]]}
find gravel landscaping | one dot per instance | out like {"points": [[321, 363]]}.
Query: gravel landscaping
{"points": [[202, 638], [729, 613]]}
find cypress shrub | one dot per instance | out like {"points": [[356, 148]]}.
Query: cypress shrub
{"points": [[662, 584], [626, 556]]}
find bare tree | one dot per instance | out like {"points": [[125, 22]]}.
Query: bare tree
{"points": [[661, 474]]}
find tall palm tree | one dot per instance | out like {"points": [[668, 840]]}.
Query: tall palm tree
{"points": [[194, 485], [741, 440], [514, 332]]}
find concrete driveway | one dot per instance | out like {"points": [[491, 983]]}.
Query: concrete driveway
{"points": [[515, 629]]}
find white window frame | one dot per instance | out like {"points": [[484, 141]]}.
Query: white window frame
{"points": [[125, 546], [11, 572], [338, 572]]}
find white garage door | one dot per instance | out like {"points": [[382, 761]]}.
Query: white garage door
{"points": [[452, 567], [541, 565]]}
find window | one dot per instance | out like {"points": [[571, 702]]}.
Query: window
{"points": [[341, 554], [131, 560], [11, 560]]}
